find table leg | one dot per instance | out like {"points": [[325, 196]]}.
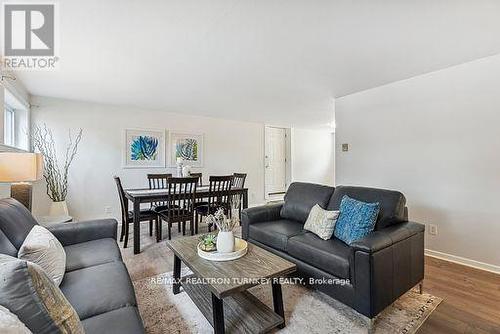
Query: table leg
{"points": [[177, 275], [278, 302], [218, 314], [245, 199], [137, 238]]}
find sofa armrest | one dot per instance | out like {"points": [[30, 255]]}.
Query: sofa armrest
{"points": [[386, 264], [74, 233], [258, 214], [387, 237]]}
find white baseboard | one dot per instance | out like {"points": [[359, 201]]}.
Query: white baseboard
{"points": [[464, 261]]}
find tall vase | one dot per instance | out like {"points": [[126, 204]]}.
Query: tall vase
{"points": [[58, 209], [225, 242]]}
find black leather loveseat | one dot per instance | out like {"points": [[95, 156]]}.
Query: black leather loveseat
{"points": [[373, 271], [96, 282]]}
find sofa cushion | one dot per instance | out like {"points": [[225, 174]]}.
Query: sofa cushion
{"points": [[392, 203], [124, 320], [91, 253], [10, 323], [28, 292], [6, 247], [275, 234], [321, 222], [98, 289], [357, 219], [15, 221], [330, 255], [301, 197], [42, 247]]}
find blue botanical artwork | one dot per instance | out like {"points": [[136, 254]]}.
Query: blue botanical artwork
{"points": [[187, 149], [144, 148]]}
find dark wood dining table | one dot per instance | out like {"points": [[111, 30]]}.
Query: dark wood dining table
{"points": [[139, 196]]}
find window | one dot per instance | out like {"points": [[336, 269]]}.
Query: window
{"points": [[16, 121], [9, 126]]}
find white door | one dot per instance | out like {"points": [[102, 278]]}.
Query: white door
{"points": [[275, 161]]}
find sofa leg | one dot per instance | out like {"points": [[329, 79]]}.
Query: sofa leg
{"points": [[371, 325], [421, 287]]}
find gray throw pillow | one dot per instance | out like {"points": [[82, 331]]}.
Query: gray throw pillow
{"points": [[28, 292], [43, 248], [10, 323], [321, 222]]}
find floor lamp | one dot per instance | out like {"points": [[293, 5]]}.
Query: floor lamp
{"points": [[20, 169]]}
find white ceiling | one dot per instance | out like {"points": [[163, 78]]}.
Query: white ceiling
{"points": [[270, 61]]}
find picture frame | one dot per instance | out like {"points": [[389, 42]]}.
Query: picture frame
{"points": [[144, 148], [188, 146]]}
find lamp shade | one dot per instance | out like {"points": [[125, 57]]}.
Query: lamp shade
{"points": [[20, 167]]}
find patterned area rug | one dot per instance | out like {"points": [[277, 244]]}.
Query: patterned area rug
{"points": [[305, 310]]}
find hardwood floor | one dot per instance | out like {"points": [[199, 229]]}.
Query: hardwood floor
{"points": [[471, 297]]}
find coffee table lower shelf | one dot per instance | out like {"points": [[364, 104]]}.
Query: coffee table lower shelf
{"points": [[243, 312]]}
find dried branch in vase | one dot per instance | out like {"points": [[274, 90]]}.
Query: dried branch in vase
{"points": [[55, 175]]}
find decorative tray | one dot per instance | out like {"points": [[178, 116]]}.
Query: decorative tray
{"points": [[240, 249]]}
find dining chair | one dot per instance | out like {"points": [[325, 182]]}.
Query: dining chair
{"points": [[199, 177], [179, 205], [128, 216], [219, 196], [239, 182], [158, 181]]}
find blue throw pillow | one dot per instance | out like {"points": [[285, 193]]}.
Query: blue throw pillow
{"points": [[356, 220]]}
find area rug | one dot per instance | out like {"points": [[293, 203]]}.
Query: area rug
{"points": [[306, 310]]}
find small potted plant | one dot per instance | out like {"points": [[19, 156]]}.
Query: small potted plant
{"points": [[208, 242]]}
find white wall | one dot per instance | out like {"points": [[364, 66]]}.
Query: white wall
{"points": [[436, 138], [313, 154], [230, 146]]}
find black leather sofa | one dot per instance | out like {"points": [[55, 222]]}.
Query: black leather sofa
{"points": [[373, 271], [96, 282]]}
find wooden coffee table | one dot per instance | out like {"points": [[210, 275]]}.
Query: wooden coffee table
{"points": [[219, 288]]}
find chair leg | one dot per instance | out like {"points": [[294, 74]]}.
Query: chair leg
{"points": [[179, 227], [191, 226], [169, 231], [195, 223], [159, 223], [183, 227], [126, 236], [151, 227], [122, 232]]}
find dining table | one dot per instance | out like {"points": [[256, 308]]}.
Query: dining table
{"points": [[146, 195]]}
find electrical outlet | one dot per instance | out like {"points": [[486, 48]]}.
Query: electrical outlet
{"points": [[433, 229], [345, 147], [108, 210]]}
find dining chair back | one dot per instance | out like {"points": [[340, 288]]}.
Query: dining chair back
{"points": [[158, 181], [199, 177], [180, 204], [144, 215], [239, 180], [219, 193], [123, 201]]}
